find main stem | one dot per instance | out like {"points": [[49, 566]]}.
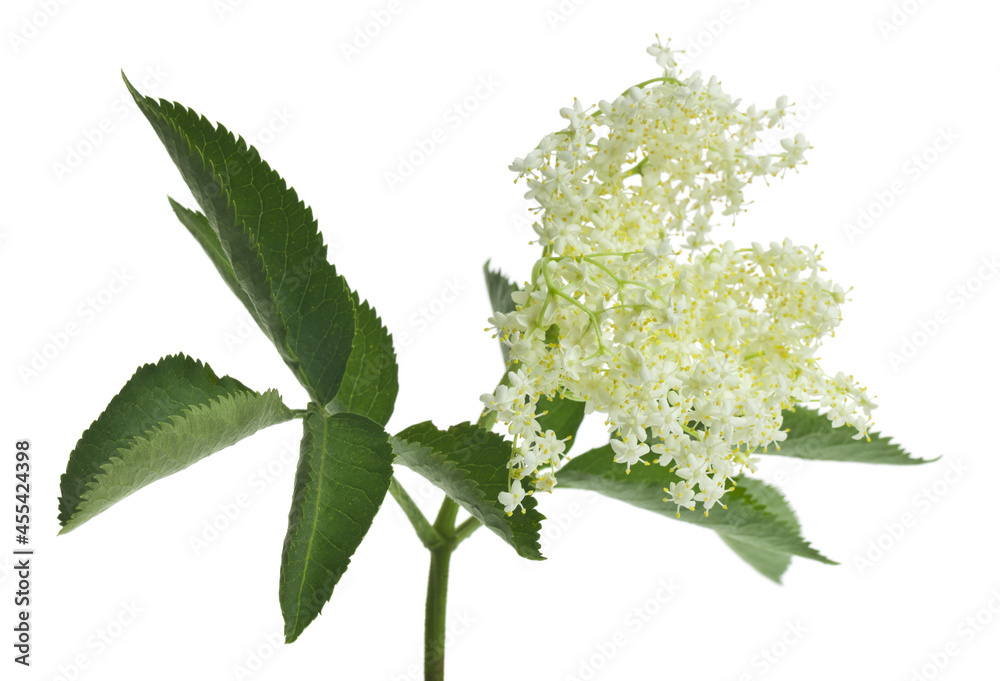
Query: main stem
{"points": [[441, 540], [437, 592]]}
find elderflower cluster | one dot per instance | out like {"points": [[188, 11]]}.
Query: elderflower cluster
{"points": [[690, 349]]}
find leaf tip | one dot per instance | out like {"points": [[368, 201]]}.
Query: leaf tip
{"points": [[68, 525], [136, 95]]}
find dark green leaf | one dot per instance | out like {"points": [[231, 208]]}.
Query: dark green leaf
{"points": [[168, 416], [470, 465], [263, 239], [746, 519], [343, 474], [499, 288], [205, 235], [811, 435], [561, 415], [371, 381]]}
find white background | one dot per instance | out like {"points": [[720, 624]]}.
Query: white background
{"points": [[872, 95]]}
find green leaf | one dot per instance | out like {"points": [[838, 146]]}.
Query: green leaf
{"points": [[205, 235], [264, 241], [168, 416], [371, 381], [343, 474], [499, 288], [470, 465], [811, 435], [770, 563], [747, 519], [560, 415]]}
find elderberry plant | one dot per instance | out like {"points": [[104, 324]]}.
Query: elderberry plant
{"points": [[700, 355]]}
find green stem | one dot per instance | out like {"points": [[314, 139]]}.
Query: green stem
{"points": [[434, 623], [428, 535], [437, 592], [661, 79], [463, 531], [445, 521], [448, 537]]}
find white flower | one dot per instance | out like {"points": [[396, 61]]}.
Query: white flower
{"points": [[513, 498], [545, 482], [550, 446], [710, 495], [681, 494], [690, 349], [628, 451], [794, 151]]}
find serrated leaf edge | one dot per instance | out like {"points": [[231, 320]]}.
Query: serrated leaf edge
{"points": [[161, 429], [810, 551], [478, 492]]}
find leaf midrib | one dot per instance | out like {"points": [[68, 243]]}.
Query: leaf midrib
{"points": [[312, 532]]}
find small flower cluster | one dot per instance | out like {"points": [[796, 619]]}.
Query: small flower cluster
{"points": [[690, 349]]}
